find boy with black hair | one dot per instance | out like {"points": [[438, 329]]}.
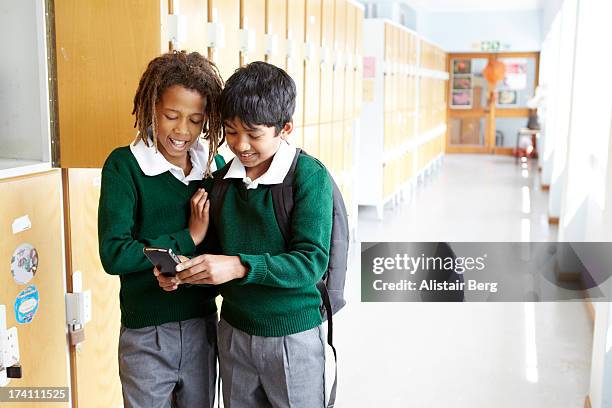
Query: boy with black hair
{"points": [[271, 341]]}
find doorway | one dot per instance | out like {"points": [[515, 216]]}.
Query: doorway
{"points": [[474, 124]]}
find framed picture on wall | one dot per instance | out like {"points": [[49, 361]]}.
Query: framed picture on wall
{"points": [[462, 66], [462, 82], [461, 99], [507, 98]]}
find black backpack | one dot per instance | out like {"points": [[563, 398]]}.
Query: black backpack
{"points": [[331, 286]]}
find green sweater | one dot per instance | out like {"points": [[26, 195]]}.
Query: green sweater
{"points": [[136, 211], [278, 296]]}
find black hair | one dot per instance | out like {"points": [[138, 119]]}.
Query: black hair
{"points": [[192, 71], [259, 94]]}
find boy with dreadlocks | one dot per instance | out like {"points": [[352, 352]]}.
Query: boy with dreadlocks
{"points": [[150, 196]]}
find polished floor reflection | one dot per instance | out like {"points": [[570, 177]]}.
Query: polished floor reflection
{"points": [[472, 355]]}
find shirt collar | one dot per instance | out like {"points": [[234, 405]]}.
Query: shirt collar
{"points": [[281, 163], [153, 163]]}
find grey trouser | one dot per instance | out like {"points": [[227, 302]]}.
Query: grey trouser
{"points": [[170, 365], [278, 372]]}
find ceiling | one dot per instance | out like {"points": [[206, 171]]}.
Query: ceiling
{"points": [[475, 5]]}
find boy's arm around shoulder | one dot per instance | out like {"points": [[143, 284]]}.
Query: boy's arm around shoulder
{"points": [[120, 253], [307, 256]]}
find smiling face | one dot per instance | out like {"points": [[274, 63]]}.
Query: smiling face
{"points": [[180, 116], [254, 146]]}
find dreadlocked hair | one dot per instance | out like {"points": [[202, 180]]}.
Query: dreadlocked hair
{"points": [[192, 71]]}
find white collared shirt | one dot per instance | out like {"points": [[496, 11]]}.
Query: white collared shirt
{"points": [[281, 163], [153, 163]]}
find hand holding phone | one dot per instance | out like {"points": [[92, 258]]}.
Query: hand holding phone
{"points": [[164, 259]]}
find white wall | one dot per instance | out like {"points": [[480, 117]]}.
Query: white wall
{"points": [[459, 31], [550, 8], [586, 211]]}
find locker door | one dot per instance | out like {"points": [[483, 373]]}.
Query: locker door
{"points": [[195, 13], [359, 17], [227, 57], [297, 137], [327, 55], [295, 63], [312, 72], [96, 360], [347, 142], [42, 341], [311, 140], [253, 18], [349, 80], [276, 27], [340, 69], [100, 54], [337, 148], [325, 144]]}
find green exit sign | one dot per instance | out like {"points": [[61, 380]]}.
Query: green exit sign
{"points": [[490, 46]]}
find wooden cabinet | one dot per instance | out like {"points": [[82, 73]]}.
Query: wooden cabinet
{"points": [[312, 74], [253, 26], [296, 15], [42, 341], [96, 367], [226, 56], [409, 142], [276, 32], [101, 55]]}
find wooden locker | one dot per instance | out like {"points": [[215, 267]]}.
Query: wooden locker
{"points": [[253, 19], [388, 42], [96, 361], [349, 79], [388, 96], [358, 100], [337, 147], [401, 46], [388, 135], [340, 13], [311, 140], [297, 137], [349, 95], [42, 342], [325, 144], [327, 55], [276, 30], [195, 13], [296, 16], [348, 143], [327, 24], [101, 54], [408, 166], [312, 74], [227, 57], [326, 93], [338, 95], [340, 25], [413, 50]]}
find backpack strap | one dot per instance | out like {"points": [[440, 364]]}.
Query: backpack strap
{"points": [[282, 199], [330, 339], [217, 194]]}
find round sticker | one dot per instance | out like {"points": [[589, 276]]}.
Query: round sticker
{"points": [[24, 263], [26, 304]]}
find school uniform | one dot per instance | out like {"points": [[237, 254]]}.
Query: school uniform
{"points": [[271, 341], [167, 339]]}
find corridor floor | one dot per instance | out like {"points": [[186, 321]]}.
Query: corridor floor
{"points": [[472, 355]]}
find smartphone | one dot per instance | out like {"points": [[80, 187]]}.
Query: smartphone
{"points": [[164, 259]]}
